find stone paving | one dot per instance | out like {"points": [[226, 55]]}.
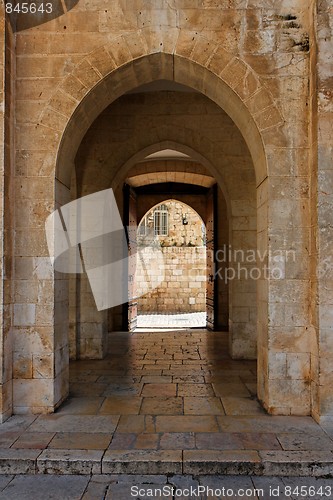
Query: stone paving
{"points": [[184, 320], [165, 402], [124, 487]]}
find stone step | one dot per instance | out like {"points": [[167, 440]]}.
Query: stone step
{"points": [[190, 462]]}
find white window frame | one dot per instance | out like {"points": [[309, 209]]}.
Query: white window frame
{"points": [[161, 221]]}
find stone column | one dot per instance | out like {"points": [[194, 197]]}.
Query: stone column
{"points": [[322, 220], [7, 86]]}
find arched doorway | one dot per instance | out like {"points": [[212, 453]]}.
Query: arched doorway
{"points": [[179, 299], [234, 174], [215, 79]]}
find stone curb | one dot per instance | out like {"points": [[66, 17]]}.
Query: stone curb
{"points": [[191, 462]]}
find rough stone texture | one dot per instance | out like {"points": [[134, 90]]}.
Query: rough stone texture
{"points": [[182, 281], [247, 122]]}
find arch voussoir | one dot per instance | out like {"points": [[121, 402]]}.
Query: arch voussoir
{"points": [[160, 40]]}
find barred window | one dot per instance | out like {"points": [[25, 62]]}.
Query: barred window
{"points": [[161, 220]]}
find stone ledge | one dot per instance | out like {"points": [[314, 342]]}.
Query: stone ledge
{"points": [[238, 462], [55, 461], [142, 462], [192, 462]]}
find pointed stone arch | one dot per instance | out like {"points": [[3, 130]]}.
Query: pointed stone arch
{"points": [[191, 59], [133, 59]]}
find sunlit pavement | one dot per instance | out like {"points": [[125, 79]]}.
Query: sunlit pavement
{"points": [[164, 401]]}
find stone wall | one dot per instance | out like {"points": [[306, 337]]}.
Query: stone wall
{"points": [[183, 285], [249, 58]]}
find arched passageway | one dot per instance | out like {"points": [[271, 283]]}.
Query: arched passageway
{"points": [[181, 289], [119, 117]]}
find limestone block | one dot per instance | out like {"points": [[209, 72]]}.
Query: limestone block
{"points": [[157, 17], [32, 137], [259, 101], [298, 366], [24, 314], [33, 393], [290, 393], [290, 338], [51, 118], [115, 19], [63, 103], [22, 366], [33, 340]]}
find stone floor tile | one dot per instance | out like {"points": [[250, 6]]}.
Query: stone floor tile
{"points": [[241, 406], [55, 461], [156, 379], [219, 379], [118, 381], [231, 483], [251, 387], [227, 389], [258, 441], [80, 441], [124, 491], [181, 370], [142, 462], [75, 423], [191, 390], [138, 478], [121, 405], [17, 423], [271, 484], [5, 479], [84, 378], [203, 406], [123, 441], [147, 441], [298, 441], [145, 372], [43, 487], [268, 423], [81, 406], [188, 379], [34, 440], [186, 423], [8, 438], [162, 406], [131, 423], [79, 390], [221, 462], [96, 490], [177, 441], [152, 390], [122, 389], [220, 441], [14, 461]]}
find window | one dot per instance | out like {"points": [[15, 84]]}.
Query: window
{"points": [[161, 220]]}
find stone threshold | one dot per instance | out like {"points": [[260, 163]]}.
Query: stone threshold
{"points": [[192, 462]]}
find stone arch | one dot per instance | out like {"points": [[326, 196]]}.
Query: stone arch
{"points": [[133, 59], [188, 58], [177, 146], [174, 197]]}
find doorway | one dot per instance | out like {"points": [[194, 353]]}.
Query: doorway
{"points": [[179, 289]]}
